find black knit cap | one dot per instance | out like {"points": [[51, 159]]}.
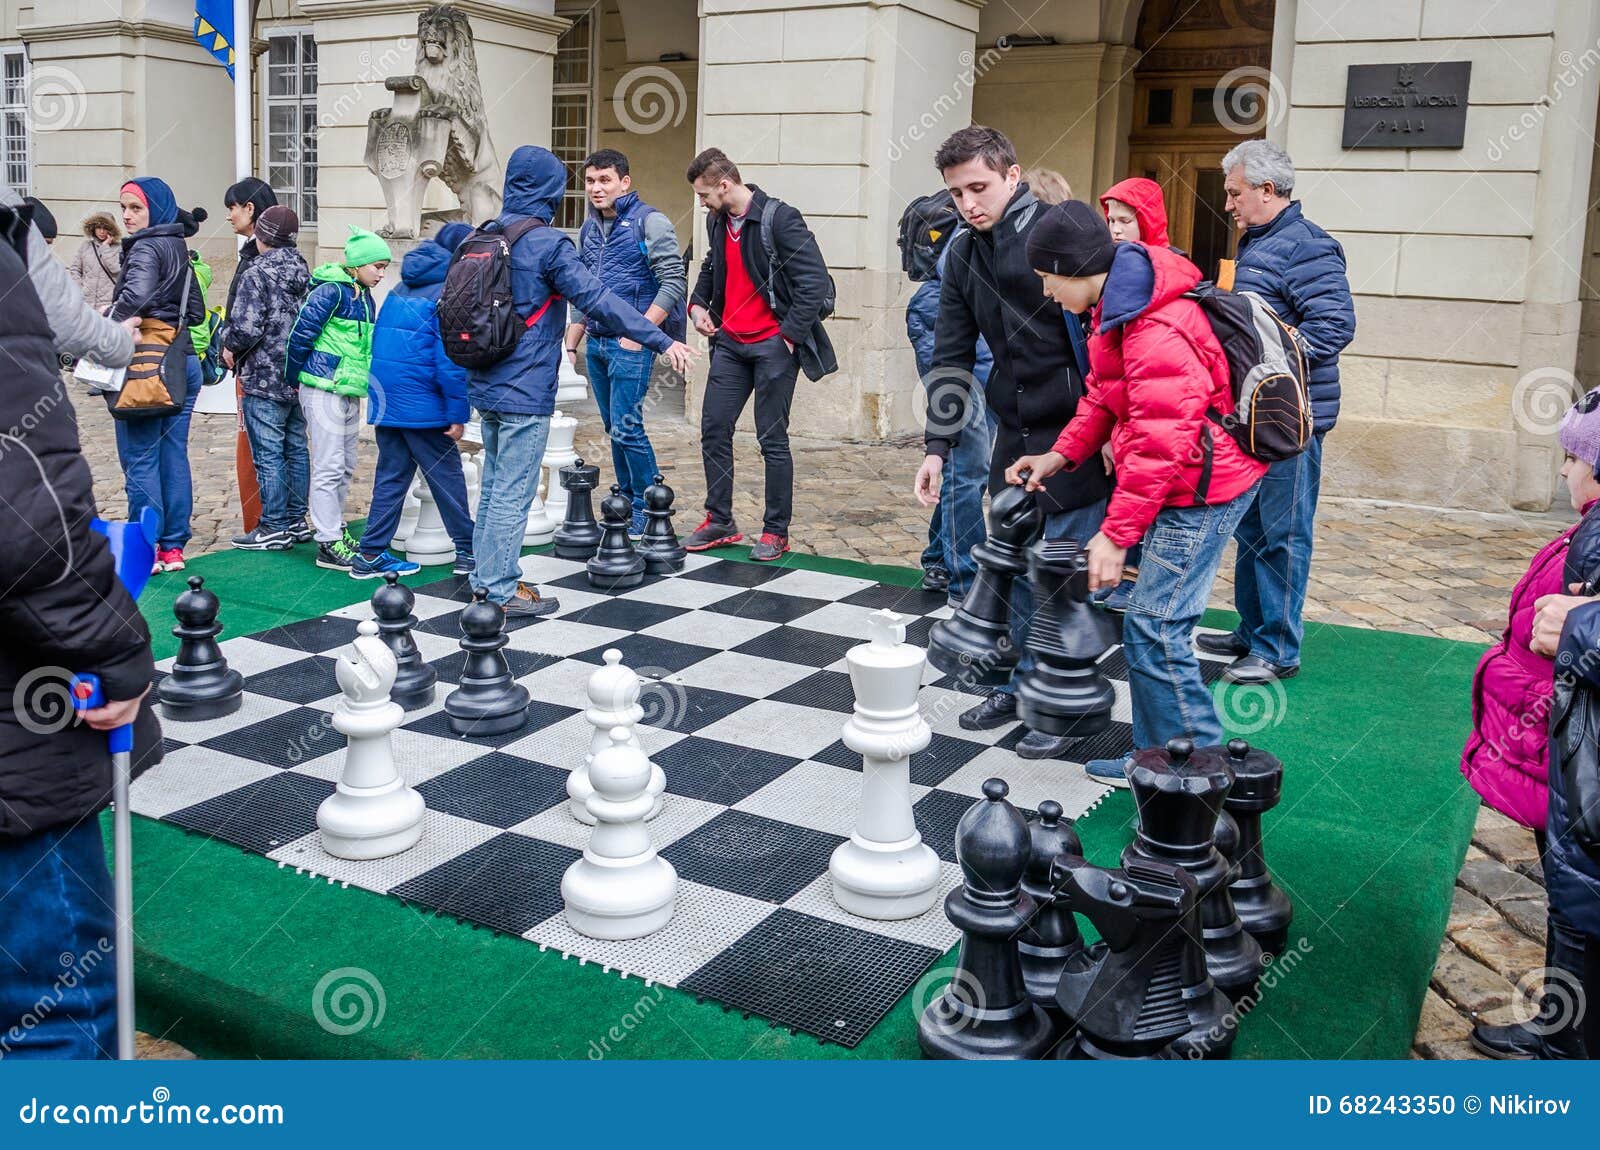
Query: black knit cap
{"points": [[250, 191], [1071, 240]]}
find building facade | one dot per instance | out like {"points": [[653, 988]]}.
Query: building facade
{"points": [[1469, 256]]}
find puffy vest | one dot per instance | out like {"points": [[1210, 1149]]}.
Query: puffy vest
{"points": [[617, 259]]}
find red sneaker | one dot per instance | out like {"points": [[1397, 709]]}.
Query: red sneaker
{"points": [[169, 560], [769, 547], [709, 535]]}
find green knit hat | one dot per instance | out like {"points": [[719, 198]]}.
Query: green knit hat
{"points": [[364, 247]]}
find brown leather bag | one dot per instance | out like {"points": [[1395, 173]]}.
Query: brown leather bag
{"points": [[157, 382]]}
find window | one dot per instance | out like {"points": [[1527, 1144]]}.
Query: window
{"points": [[291, 122], [14, 172], [572, 107]]}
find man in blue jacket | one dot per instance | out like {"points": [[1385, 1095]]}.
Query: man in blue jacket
{"points": [[1298, 270], [516, 396]]}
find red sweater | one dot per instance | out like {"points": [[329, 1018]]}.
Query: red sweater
{"points": [[746, 318]]}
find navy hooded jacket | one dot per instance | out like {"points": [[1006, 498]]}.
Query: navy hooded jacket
{"points": [[414, 384], [545, 263]]}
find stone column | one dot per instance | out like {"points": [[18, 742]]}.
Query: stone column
{"points": [[838, 110]]}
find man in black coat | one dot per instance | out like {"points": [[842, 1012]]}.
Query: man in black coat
{"points": [[62, 611], [765, 326], [991, 290]]}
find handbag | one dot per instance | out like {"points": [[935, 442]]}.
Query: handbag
{"points": [[157, 382]]}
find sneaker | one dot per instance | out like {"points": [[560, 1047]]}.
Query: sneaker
{"points": [[1112, 772], [303, 532], [1514, 1041], [335, 556], [935, 579], [263, 540], [769, 547], [996, 710], [465, 563], [527, 603], [169, 560], [954, 600], [379, 565], [1120, 596], [709, 535], [350, 540], [637, 525]]}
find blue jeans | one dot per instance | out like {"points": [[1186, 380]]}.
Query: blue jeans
{"points": [[58, 981], [621, 380], [1182, 551], [1274, 561], [1081, 525], [401, 450], [276, 429], [154, 454], [957, 524], [513, 449]]}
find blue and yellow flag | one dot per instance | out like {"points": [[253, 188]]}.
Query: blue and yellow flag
{"points": [[213, 29]]}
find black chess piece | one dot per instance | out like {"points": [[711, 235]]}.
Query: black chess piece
{"points": [[663, 554], [615, 565], [200, 685], [1065, 694], [1124, 996], [975, 643], [1179, 792], [579, 534], [1257, 786], [1052, 935], [414, 679], [488, 701], [985, 1012]]}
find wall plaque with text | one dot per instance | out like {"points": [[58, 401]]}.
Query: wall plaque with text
{"points": [[1406, 105]]}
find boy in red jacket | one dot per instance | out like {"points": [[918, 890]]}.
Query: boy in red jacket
{"points": [[1156, 371]]}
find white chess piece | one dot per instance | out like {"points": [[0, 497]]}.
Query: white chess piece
{"points": [[373, 813], [472, 474], [620, 888], [613, 702], [408, 517], [570, 386], [540, 528], [558, 453], [429, 544], [885, 871]]}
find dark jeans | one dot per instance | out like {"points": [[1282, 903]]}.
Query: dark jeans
{"points": [[58, 974], [621, 379], [737, 369], [1571, 984], [1080, 525], [154, 454], [1274, 560], [276, 429], [957, 524], [401, 450]]}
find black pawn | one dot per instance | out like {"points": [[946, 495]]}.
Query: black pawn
{"points": [[985, 1012], [579, 534], [1257, 786], [615, 565], [201, 685], [414, 679], [1065, 694], [663, 554], [488, 701], [1052, 936], [975, 643]]}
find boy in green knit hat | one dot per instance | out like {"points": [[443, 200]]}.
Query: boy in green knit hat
{"points": [[330, 354]]}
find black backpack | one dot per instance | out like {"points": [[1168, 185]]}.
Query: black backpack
{"points": [[478, 317], [770, 245], [925, 225], [1268, 369]]}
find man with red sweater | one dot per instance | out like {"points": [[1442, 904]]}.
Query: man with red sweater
{"points": [[765, 325], [1155, 370]]}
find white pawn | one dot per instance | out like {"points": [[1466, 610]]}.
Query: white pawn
{"points": [[540, 529], [472, 474], [408, 518], [613, 702], [373, 813], [620, 888], [558, 453], [885, 871], [429, 544], [570, 386]]}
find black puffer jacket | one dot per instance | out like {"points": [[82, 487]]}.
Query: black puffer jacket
{"points": [[155, 264], [62, 609], [991, 291]]}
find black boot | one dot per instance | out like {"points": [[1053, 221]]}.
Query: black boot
{"points": [[996, 710]]}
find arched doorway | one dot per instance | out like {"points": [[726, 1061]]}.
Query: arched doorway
{"points": [[1200, 87]]}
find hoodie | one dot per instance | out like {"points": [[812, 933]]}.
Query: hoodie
{"points": [[414, 384], [1155, 369], [1144, 197], [545, 267], [266, 301]]}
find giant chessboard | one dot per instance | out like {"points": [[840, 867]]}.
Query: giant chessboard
{"points": [[745, 695]]}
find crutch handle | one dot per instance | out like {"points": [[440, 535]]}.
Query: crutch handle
{"points": [[87, 694]]}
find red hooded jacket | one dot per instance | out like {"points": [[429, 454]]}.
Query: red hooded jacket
{"points": [[1155, 367], [1144, 197]]}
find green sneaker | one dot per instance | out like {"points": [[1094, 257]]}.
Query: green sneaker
{"points": [[336, 556], [350, 540]]}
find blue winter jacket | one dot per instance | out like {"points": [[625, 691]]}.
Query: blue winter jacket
{"points": [[414, 384], [544, 263], [921, 315], [1298, 269]]}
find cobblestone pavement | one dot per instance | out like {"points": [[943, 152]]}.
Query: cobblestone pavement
{"points": [[1386, 566]]}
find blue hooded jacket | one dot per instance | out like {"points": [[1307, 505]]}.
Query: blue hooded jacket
{"points": [[414, 384], [545, 263]]}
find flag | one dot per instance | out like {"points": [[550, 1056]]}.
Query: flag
{"points": [[213, 29]]}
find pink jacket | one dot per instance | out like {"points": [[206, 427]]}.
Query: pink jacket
{"points": [[1506, 759]]}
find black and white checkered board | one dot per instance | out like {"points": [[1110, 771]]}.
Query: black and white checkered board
{"points": [[745, 698]]}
